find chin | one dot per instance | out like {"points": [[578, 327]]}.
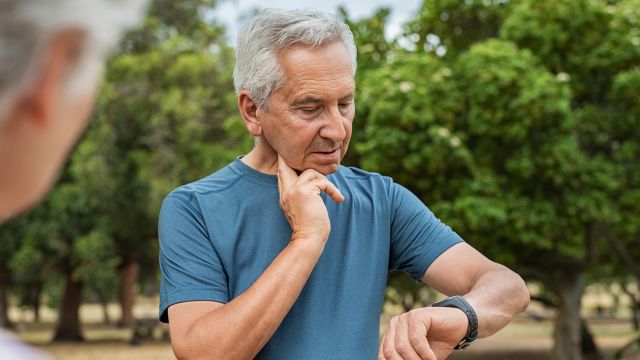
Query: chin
{"points": [[326, 169]]}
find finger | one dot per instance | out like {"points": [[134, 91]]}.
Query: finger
{"points": [[402, 344], [286, 174], [388, 349], [326, 186], [417, 333], [380, 352], [280, 193]]}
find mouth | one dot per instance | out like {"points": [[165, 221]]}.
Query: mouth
{"points": [[330, 156], [329, 152]]}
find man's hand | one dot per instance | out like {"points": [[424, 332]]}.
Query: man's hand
{"points": [[301, 202], [423, 334]]}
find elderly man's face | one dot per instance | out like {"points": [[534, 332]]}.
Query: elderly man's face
{"points": [[309, 119]]}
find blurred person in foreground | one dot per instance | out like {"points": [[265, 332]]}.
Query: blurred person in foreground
{"points": [[284, 253], [51, 58]]}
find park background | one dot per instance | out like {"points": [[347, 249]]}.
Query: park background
{"points": [[517, 122]]}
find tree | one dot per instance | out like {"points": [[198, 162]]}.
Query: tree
{"points": [[502, 132], [67, 215], [10, 234], [163, 119], [28, 284]]}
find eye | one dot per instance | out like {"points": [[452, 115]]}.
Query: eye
{"points": [[309, 110], [345, 107]]}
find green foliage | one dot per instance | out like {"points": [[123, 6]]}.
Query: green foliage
{"points": [[518, 126], [371, 43], [98, 263], [411, 120], [449, 27], [588, 41], [517, 123], [167, 19]]}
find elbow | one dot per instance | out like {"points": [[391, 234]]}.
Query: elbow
{"points": [[180, 351], [184, 351], [522, 294], [183, 354]]}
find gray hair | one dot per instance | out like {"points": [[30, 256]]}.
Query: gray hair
{"points": [[272, 31], [27, 26]]}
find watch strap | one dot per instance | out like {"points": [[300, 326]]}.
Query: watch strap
{"points": [[460, 303]]}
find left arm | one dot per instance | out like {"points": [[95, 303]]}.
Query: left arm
{"points": [[496, 293]]}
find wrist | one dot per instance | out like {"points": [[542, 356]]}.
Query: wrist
{"points": [[307, 246], [458, 302], [309, 236]]}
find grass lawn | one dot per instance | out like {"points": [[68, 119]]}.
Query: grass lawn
{"points": [[523, 339]]}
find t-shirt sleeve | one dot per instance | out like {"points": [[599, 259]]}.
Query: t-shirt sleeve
{"points": [[418, 237], [190, 268]]}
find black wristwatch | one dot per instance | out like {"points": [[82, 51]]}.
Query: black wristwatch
{"points": [[462, 304]]}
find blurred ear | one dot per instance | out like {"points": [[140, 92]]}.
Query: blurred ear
{"points": [[47, 90], [249, 111]]}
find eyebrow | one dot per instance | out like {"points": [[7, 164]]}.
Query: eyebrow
{"points": [[349, 97], [308, 100]]}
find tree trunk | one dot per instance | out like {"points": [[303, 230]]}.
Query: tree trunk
{"points": [[636, 314], [567, 328], [634, 269], [69, 319], [104, 303], [635, 307], [128, 279], [4, 300], [37, 301], [588, 346]]}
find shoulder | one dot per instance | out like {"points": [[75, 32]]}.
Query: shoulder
{"points": [[187, 198], [16, 350], [379, 186], [217, 182]]}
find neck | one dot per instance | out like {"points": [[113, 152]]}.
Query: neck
{"points": [[262, 158]]}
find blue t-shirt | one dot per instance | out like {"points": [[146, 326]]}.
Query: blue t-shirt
{"points": [[219, 234]]}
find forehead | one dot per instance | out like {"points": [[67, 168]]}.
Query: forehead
{"points": [[324, 71]]}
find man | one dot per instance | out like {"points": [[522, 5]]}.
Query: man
{"points": [[51, 54], [284, 254]]}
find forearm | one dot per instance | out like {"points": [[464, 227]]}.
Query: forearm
{"points": [[241, 328], [497, 296]]}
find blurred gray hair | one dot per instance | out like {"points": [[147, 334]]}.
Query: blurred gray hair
{"points": [[27, 26], [272, 31]]}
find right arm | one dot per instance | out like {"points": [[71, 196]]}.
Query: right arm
{"points": [[241, 328]]}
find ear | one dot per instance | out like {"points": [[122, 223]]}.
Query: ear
{"points": [[44, 94], [249, 112]]}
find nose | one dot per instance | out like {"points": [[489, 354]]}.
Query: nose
{"points": [[334, 126]]}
